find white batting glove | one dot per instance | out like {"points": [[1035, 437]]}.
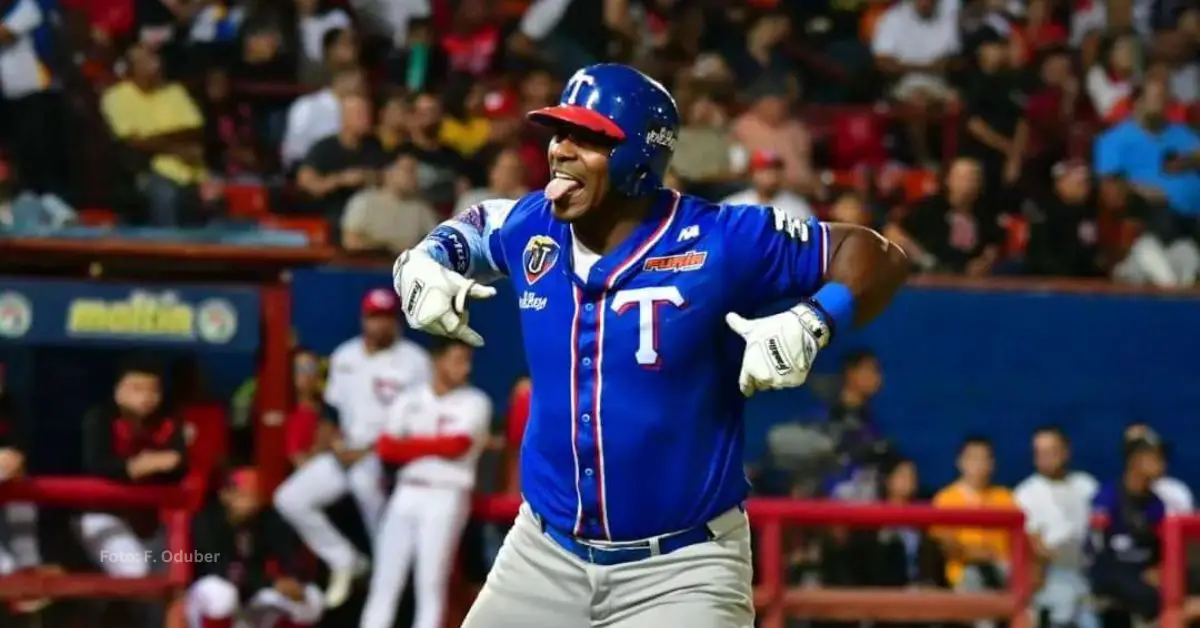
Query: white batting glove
{"points": [[434, 298], [780, 349]]}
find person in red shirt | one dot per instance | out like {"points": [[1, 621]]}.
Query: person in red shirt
{"points": [[514, 432], [1039, 32], [134, 440], [306, 431]]}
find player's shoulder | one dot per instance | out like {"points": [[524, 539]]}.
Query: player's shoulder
{"points": [[470, 397], [748, 221], [349, 350], [493, 213], [405, 349]]}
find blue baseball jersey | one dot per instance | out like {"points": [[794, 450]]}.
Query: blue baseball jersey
{"points": [[635, 425]]}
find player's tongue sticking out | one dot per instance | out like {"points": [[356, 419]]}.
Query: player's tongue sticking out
{"points": [[560, 186]]}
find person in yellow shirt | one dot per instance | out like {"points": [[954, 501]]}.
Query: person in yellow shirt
{"points": [[465, 128], [977, 558], [158, 121]]}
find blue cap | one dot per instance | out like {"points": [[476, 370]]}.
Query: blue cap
{"points": [[623, 104]]}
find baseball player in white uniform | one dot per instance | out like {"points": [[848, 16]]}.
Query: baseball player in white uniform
{"points": [[367, 374], [436, 433]]}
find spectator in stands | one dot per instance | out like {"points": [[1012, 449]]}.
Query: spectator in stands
{"points": [[420, 64], [474, 43], [1063, 230], [768, 125], [951, 231], [307, 430], [340, 165], [1177, 54], [1057, 503], [130, 439], [158, 122], [895, 556], [1054, 108], [464, 128], [441, 169], [506, 126], [1172, 491], [213, 32], [32, 100], [1113, 78], [316, 116], [314, 20], [850, 207], [1038, 31], [915, 44], [391, 218], [708, 158], [229, 139], [1125, 558], [266, 52], [1094, 24], [995, 132], [857, 442], [766, 187], [763, 57], [568, 34], [255, 569], [506, 179], [1158, 72], [1155, 163], [977, 558], [394, 19], [392, 130], [18, 520]]}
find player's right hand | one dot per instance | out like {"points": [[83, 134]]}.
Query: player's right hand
{"points": [[434, 298]]}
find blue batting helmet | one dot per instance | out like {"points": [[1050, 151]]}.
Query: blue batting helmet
{"points": [[629, 107]]}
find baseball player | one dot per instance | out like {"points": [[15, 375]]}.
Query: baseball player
{"points": [[366, 375], [250, 568], [436, 434], [130, 440], [637, 305]]}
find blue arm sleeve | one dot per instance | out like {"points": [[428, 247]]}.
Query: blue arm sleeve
{"points": [[772, 255], [1184, 140], [470, 243]]}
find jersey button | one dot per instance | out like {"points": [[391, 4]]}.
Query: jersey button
{"points": [[586, 418], [588, 472], [589, 307], [586, 361]]}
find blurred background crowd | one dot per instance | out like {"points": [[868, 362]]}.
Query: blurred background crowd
{"points": [[1050, 138], [1046, 137]]}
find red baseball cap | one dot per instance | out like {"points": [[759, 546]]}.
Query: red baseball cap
{"points": [[379, 301], [500, 103], [761, 159]]}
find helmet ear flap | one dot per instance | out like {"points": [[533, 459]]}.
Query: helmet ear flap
{"points": [[639, 181]]}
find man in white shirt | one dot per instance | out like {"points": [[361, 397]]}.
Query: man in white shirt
{"points": [[31, 93], [766, 187], [1057, 503], [366, 375], [914, 43], [316, 116]]}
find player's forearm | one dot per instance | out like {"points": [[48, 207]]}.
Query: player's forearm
{"points": [[463, 244], [864, 273], [404, 450]]}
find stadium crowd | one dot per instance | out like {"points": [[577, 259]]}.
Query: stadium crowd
{"points": [[1010, 137]]}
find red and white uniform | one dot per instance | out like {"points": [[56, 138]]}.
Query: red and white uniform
{"points": [[438, 440], [362, 387]]}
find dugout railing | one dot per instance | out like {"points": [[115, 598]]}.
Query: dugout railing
{"points": [[172, 502], [776, 601]]}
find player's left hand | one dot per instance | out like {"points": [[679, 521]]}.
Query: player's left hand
{"points": [[780, 349]]}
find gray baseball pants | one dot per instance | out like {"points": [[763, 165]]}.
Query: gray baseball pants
{"points": [[535, 583]]}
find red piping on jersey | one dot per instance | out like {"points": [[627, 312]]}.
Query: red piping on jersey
{"points": [[404, 450]]}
